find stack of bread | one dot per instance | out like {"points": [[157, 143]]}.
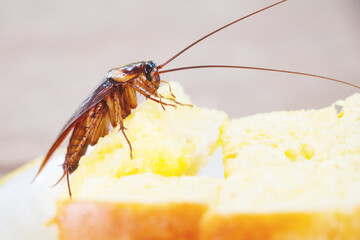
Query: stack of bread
{"points": [[289, 175]]}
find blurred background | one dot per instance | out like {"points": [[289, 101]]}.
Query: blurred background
{"points": [[53, 53]]}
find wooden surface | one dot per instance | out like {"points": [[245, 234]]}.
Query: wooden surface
{"points": [[53, 53]]}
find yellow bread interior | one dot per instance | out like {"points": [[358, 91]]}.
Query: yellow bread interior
{"points": [[293, 161], [299, 187], [171, 142], [149, 188], [288, 139], [291, 175]]}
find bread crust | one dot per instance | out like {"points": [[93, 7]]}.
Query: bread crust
{"points": [[108, 221], [287, 226]]}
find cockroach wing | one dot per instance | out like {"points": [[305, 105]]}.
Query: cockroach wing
{"points": [[101, 91]]}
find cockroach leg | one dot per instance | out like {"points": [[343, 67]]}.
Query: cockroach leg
{"points": [[174, 100], [125, 101], [161, 103], [129, 96], [123, 131], [148, 86], [117, 108], [80, 138], [105, 126], [111, 109], [97, 130], [144, 84], [151, 98], [169, 88], [67, 173]]}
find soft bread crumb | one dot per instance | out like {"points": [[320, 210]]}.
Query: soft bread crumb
{"points": [[300, 187], [149, 188], [174, 142], [290, 175], [293, 161], [286, 138]]}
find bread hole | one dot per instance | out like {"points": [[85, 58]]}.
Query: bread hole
{"points": [[231, 155], [291, 154], [306, 151], [341, 114], [131, 172]]}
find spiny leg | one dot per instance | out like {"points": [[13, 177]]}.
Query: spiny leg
{"points": [[73, 139], [174, 100], [115, 98], [80, 139], [150, 89], [111, 109], [145, 94], [148, 92], [124, 102], [105, 126], [169, 88], [142, 84], [129, 96], [148, 86], [98, 130]]}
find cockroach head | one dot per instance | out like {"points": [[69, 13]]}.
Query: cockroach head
{"points": [[152, 73]]}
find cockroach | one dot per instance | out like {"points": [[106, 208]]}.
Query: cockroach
{"points": [[115, 97]]}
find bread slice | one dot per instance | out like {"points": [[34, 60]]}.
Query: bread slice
{"points": [[291, 175], [279, 138], [115, 197], [142, 206]]}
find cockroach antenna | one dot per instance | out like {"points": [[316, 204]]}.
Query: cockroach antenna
{"points": [[242, 67], [217, 30]]}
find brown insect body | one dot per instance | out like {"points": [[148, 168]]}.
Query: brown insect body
{"points": [[112, 101]]}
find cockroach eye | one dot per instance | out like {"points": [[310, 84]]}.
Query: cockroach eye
{"points": [[149, 66]]}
